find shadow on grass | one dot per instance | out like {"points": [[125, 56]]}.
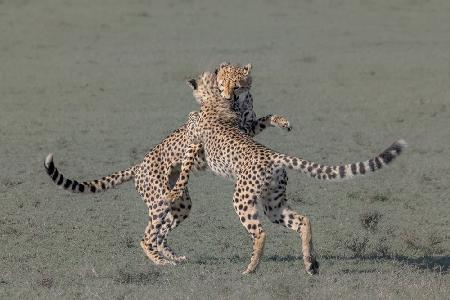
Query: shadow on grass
{"points": [[287, 258], [125, 277], [438, 264], [433, 263], [348, 271], [243, 259]]}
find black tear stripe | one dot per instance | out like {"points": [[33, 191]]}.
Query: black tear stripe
{"points": [[362, 168]]}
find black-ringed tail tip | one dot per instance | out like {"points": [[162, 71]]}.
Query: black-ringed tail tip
{"points": [[58, 177], [48, 160], [345, 171], [93, 186]]}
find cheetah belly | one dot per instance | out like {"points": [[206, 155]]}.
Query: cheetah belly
{"points": [[220, 166]]}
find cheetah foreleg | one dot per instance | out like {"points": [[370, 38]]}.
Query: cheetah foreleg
{"points": [[187, 164], [269, 121]]}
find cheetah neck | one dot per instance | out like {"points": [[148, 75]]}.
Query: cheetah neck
{"points": [[216, 107], [243, 105]]}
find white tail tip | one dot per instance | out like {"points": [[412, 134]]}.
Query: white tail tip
{"points": [[48, 159], [402, 143]]}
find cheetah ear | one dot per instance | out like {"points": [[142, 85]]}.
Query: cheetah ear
{"points": [[223, 64], [247, 68], [192, 83]]}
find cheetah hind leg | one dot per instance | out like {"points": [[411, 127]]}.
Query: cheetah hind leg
{"points": [[166, 251], [180, 204], [248, 215], [258, 248], [163, 248], [149, 244], [280, 213], [170, 254], [179, 211]]}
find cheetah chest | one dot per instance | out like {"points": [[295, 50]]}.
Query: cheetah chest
{"points": [[220, 162]]}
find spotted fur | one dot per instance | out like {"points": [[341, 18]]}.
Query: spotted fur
{"points": [[157, 173], [259, 172]]}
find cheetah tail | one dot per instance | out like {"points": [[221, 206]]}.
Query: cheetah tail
{"points": [[346, 171], [93, 186]]}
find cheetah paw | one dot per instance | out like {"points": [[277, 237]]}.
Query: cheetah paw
{"points": [[155, 257], [311, 265], [248, 271], [165, 262], [179, 258], [280, 122], [169, 254]]}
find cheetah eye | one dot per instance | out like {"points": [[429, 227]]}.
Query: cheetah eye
{"points": [[236, 87]]}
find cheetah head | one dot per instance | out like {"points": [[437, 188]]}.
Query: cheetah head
{"points": [[233, 80], [207, 94], [204, 87]]}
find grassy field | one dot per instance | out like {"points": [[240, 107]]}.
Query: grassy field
{"points": [[99, 83]]}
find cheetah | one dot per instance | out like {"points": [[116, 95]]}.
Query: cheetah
{"points": [[258, 172], [157, 173]]}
